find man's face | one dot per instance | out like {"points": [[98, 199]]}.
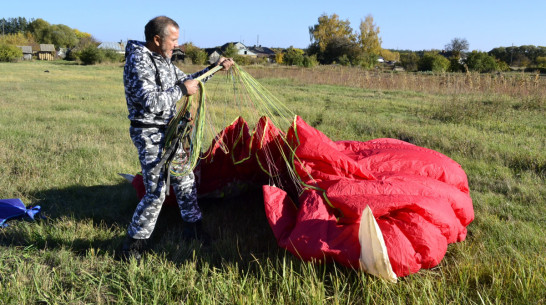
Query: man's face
{"points": [[170, 42]]}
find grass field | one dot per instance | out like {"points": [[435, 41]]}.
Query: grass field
{"points": [[64, 137]]}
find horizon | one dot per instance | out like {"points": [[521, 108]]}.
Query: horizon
{"points": [[421, 26]]}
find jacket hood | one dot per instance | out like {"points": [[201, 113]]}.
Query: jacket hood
{"points": [[134, 46]]}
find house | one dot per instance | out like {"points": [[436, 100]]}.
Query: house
{"points": [[178, 55], [263, 52], [62, 52], [118, 47], [46, 52], [241, 49], [213, 54], [27, 52]]}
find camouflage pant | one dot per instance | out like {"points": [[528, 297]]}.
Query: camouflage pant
{"points": [[149, 143]]}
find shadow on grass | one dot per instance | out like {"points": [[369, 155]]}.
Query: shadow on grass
{"points": [[238, 226]]}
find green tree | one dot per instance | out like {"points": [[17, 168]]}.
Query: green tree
{"points": [[310, 61], [62, 36], [58, 34], [17, 39], [481, 62], [197, 55], [14, 25], [369, 39], [519, 56], [10, 53], [83, 43], [90, 55], [455, 65], [432, 61], [541, 61], [367, 60], [41, 30], [410, 61], [230, 51], [342, 50], [293, 57]]}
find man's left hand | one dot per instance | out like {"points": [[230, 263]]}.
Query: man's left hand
{"points": [[226, 63]]}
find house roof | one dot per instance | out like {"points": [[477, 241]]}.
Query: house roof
{"points": [[116, 46], [47, 48], [212, 50], [224, 46], [26, 49], [178, 51], [261, 50]]}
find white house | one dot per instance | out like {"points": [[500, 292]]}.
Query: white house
{"points": [[241, 49]]}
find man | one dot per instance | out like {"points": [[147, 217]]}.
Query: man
{"points": [[153, 85]]}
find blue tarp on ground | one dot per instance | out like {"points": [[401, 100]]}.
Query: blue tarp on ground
{"points": [[15, 208]]}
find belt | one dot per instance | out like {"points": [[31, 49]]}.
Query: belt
{"points": [[137, 124]]}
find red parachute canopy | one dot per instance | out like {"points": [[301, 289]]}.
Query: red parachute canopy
{"points": [[419, 197]]}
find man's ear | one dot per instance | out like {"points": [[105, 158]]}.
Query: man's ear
{"points": [[157, 40]]}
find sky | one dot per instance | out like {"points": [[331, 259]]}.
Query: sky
{"points": [[404, 25]]}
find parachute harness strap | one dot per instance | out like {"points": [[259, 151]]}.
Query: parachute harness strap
{"points": [[188, 132]]}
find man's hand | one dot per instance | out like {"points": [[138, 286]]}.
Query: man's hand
{"points": [[226, 63], [192, 86]]}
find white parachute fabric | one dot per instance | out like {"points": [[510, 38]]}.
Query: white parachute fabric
{"points": [[374, 258]]}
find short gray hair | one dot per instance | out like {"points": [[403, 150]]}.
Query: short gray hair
{"points": [[158, 26]]}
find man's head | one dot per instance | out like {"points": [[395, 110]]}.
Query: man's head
{"points": [[162, 35]]}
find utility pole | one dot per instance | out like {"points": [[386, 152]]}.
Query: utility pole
{"points": [[511, 54]]}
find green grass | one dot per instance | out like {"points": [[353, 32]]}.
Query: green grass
{"points": [[64, 137]]}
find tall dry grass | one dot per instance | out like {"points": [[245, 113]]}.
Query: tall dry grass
{"points": [[518, 84]]}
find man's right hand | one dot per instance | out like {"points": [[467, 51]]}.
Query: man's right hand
{"points": [[192, 86]]}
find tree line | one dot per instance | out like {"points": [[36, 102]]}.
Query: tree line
{"points": [[332, 41], [22, 32]]}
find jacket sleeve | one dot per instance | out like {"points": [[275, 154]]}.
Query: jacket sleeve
{"points": [[183, 77], [140, 82]]}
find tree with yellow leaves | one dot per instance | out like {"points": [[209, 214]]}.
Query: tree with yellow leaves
{"points": [[369, 36], [389, 55], [330, 28]]}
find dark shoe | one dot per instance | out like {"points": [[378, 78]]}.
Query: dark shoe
{"points": [[194, 231], [133, 248]]}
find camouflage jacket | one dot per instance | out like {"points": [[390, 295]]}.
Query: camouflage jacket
{"points": [[153, 85]]}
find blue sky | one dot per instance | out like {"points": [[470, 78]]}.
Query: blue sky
{"points": [[413, 25]]}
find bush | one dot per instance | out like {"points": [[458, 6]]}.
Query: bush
{"points": [[367, 60], [433, 62], [344, 60], [10, 53], [241, 60], [409, 61], [502, 66], [293, 57], [541, 61], [90, 55], [455, 65], [112, 56], [481, 62], [197, 55], [310, 61]]}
